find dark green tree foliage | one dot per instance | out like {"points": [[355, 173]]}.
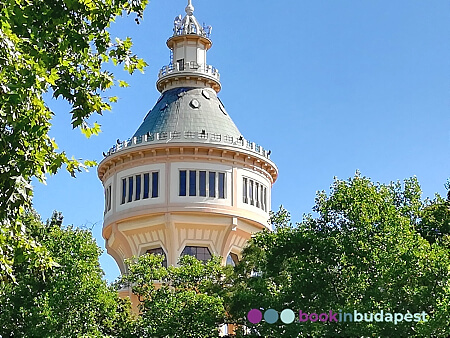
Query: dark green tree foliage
{"points": [[186, 301], [56, 46], [69, 300], [364, 251]]}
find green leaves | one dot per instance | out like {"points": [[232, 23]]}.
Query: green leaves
{"points": [[371, 247], [89, 131], [123, 84], [64, 296], [182, 301], [58, 46]]}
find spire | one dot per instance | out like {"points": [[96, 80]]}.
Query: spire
{"points": [[189, 8], [188, 45], [188, 24]]}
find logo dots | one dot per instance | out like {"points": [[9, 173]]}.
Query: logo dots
{"points": [[255, 316]]}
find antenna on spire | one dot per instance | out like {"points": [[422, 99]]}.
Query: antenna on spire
{"points": [[189, 8]]}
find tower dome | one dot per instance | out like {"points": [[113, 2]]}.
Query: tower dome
{"points": [[188, 109], [187, 181]]}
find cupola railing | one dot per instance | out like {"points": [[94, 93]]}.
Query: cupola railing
{"points": [[190, 67], [187, 136]]}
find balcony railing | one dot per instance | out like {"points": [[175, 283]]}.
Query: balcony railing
{"points": [[189, 136], [189, 67]]}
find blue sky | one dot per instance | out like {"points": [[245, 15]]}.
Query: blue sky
{"points": [[329, 86]]}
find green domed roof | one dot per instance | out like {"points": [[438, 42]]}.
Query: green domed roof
{"points": [[188, 110]]}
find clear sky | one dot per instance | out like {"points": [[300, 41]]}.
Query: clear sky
{"points": [[329, 86]]}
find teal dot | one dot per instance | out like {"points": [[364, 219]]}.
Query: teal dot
{"points": [[271, 316], [287, 316]]}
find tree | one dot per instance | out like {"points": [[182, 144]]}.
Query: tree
{"points": [[69, 300], [60, 47], [183, 301], [363, 251]]}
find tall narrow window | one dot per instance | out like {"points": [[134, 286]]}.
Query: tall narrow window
{"points": [[146, 185], [250, 192], [138, 187], [221, 185], [263, 202], [244, 190], [265, 199], [202, 183], [155, 179], [192, 183], [109, 197], [212, 184], [182, 182], [124, 190], [257, 194], [130, 189]]}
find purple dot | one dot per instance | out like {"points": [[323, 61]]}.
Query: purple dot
{"points": [[254, 316]]}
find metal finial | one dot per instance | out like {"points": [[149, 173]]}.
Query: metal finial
{"points": [[189, 8]]}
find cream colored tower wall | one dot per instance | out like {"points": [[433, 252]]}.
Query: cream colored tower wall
{"points": [[190, 50], [172, 222]]}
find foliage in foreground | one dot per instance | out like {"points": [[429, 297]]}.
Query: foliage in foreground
{"points": [[69, 300], [372, 247], [59, 47], [186, 301]]}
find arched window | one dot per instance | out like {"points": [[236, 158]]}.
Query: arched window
{"points": [[202, 253], [232, 259], [159, 251]]}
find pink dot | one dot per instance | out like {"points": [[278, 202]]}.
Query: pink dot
{"points": [[254, 316]]}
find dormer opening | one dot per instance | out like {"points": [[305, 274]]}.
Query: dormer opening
{"points": [[180, 64]]}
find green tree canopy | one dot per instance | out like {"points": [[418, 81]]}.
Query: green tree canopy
{"points": [[69, 300], [363, 251], [56, 46], [182, 301]]}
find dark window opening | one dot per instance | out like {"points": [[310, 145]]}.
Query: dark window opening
{"points": [[182, 182], [202, 182], [265, 199], [212, 184], [202, 253], [146, 185], [155, 180], [192, 183], [250, 192], [138, 187], [109, 198], [221, 185], [130, 189], [257, 194], [180, 64], [124, 190], [244, 190], [263, 202]]}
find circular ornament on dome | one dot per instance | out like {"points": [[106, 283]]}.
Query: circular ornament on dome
{"points": [[195, 104], [206, 94]]}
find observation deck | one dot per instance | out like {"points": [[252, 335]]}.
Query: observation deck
{"points": [[191, 71]]}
